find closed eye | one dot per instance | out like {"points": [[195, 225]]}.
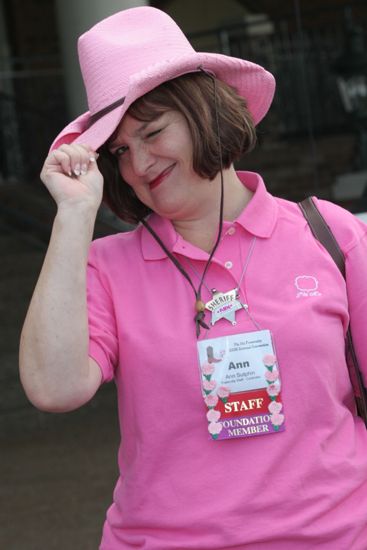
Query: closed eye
{"points": [[154, 133], [119, 151]]}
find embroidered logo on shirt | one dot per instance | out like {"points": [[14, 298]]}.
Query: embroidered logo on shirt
{"points": [[306, 285]]}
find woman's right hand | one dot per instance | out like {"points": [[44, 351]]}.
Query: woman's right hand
{"points": [[71, 175], [55, 368]]}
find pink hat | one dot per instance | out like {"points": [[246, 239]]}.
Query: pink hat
{"points": [[128, 54]]}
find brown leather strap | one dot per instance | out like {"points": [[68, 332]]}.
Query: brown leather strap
{"points": [[360, 392], [323, 233], [104, 111]]}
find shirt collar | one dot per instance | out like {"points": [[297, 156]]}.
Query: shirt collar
{"points": [[261, 213], [258, 218]]}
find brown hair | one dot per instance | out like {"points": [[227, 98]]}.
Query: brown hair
{"points": [[193, 96]]}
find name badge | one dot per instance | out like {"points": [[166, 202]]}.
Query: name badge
{"points": [[241, 386]]}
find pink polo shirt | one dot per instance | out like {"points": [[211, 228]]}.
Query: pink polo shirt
{"points": [[301, 489]]}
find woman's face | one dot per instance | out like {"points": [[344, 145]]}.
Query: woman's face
{"points": [[155, 159]]}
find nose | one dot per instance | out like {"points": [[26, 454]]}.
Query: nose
{"points": [[141, 160]]}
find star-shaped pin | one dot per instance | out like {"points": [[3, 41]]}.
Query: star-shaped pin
{"points": [[224, 305]]}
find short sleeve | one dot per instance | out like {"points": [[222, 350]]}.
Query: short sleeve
{"points": [[356, 275], [351, 234], [103, 342]]}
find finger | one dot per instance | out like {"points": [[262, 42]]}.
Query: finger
{"points": [[89, 155], [74, 152], [87, 148], [60, 159], [81, 155]]}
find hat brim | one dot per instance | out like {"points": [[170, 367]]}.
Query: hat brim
{"points": [[251, 81]]}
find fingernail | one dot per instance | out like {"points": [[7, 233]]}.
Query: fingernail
{"points": [[77, 170], [84, 169]]}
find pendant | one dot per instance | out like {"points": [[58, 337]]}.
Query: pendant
{"points": [[224, 305]]}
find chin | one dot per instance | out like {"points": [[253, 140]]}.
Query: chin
{"points": [[168, 210]]}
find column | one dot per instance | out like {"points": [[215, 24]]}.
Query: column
{"points": [[74, 18]]}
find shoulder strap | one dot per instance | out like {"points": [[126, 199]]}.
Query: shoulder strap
{"points": [[323, 233]]}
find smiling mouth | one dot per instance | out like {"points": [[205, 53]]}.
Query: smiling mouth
{"points": [[154, 183]]}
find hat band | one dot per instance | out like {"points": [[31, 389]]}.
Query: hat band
{"points": [[104, 111], [115, 104]]}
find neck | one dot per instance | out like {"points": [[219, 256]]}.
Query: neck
{"points": [[202, 230]]}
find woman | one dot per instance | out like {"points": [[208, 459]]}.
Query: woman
{"points": [[218, 294]]}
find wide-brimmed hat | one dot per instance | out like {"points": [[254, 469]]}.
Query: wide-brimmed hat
{"points": [[128, 54]]}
